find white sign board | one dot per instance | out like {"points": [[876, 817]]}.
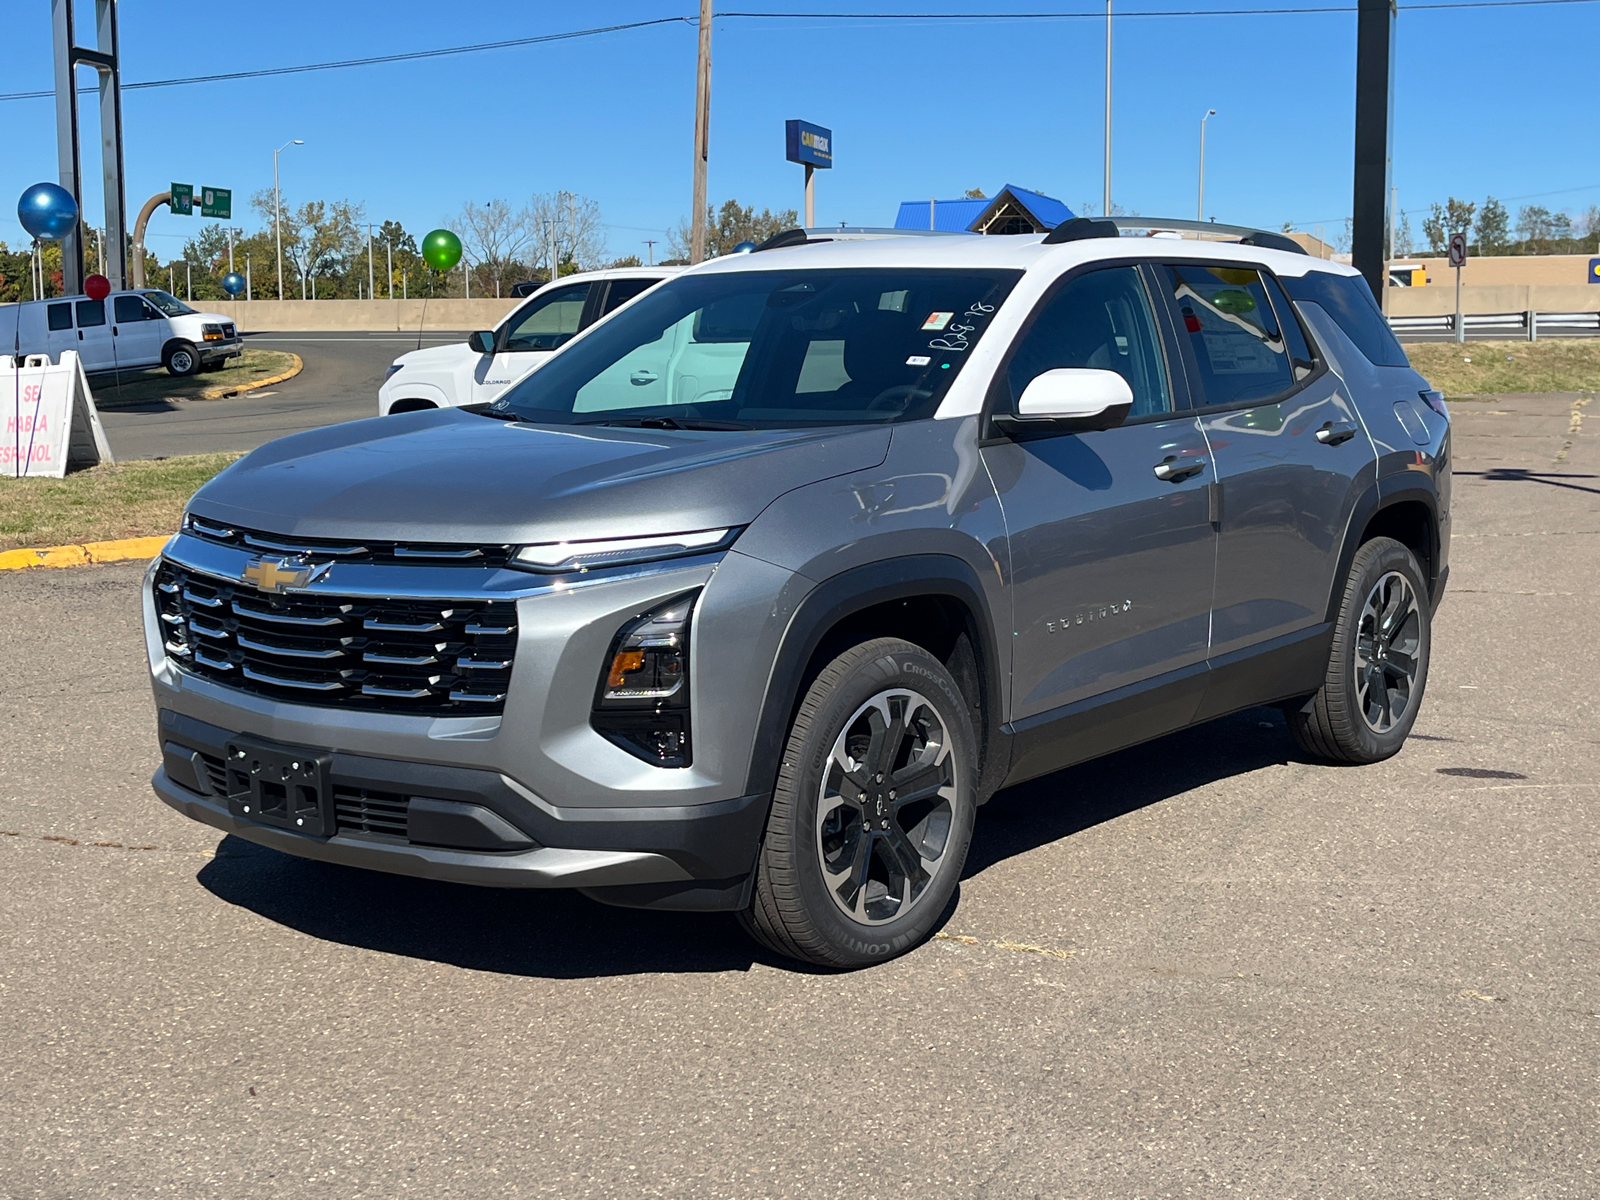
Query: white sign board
{"points": [[50, 418], [1458, 249]]}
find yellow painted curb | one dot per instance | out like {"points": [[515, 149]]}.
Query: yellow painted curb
{"points": [[224, 392], [82, 555]]}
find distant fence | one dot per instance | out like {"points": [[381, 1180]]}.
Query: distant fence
{"points": [[1518, 326]]}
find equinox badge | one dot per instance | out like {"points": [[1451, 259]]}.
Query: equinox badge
{"points": [[280, 574]]}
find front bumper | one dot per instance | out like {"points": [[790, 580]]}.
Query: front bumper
{"points": [[213, 351], [479, 827]]}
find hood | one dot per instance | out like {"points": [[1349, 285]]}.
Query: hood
{"points": [[447, 475], [448, 354]]}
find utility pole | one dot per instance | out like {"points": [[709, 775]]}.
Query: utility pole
{"points": [[1200, 212], [702, 136], [230, 249], [651, 243], [1106, 209], [249, 283], [371, 295], [388, 249]]}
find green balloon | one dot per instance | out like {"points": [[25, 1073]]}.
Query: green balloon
{"points": [[441, 249]]}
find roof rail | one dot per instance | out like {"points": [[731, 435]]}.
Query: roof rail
{"points": [[1085, 227]]}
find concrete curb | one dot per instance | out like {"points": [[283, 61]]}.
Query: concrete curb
{"points": [[83, 554], [223, 393]]}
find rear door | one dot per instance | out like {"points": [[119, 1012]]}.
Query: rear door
{"points": [[1111, 561], [549, 320], [138, 330], [94, 335], [1290, 451]]}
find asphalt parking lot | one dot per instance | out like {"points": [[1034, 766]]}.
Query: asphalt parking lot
{"points": [[339, 383], [1198, 968]]}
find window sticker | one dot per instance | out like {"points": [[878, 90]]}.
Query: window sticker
{"points": [[938, 320], [955, 332], [1233, 353], [918, 360]]}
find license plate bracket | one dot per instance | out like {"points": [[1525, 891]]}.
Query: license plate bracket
{"points": [[284, 786]]}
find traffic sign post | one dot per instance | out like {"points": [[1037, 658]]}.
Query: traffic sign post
{"points": [[180, 199], [1458, 258], [216, 202]]}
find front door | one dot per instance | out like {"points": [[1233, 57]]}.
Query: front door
{"points": [[548, 320], [138, 329], [1290, 451], [94, 336], [1111, 544]]}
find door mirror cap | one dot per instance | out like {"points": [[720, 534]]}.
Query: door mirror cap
{"points": [[1072, 399], [482, 341]]}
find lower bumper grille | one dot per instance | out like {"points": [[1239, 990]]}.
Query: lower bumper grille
{"points": [[445, 658], [356, 809]]}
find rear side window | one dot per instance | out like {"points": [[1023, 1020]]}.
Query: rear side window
{"points": [[1101, 320], [60, 316], [129, 308], [1300, 355], [91, 313], [1348, 300], [623, 290], [548, 321], [1235, 343]]}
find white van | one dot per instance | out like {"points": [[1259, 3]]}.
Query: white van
{"points": [[125, 331], [488, 362]]}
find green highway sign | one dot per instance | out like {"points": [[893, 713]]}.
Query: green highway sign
{"points": [[216, 202], [182, 199]]}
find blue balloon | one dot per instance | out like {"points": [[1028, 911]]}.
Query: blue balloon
{"points": [[744, 247], [233, 283], [47, 211]]}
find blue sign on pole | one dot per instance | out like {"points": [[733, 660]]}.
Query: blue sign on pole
{"points": [[1594, 270], [809, 144]]}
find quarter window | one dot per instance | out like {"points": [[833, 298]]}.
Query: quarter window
{"points": [[1227, 322], [1301, 358], [549, 321], [1101, 320]]}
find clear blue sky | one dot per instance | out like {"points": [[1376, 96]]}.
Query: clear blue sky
{"points": [[1496, 101]]}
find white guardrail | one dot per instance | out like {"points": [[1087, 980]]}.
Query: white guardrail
{"points": [[1514, 325]]}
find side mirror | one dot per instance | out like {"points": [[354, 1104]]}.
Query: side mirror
{"points": [[482, 341], [1070, 400]]}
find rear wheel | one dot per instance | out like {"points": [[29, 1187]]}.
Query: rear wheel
{"points": [[873, 812], [1378, 666], [181, 359]]}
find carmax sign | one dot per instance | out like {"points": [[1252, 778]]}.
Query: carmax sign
{"points": [[809, 144]]}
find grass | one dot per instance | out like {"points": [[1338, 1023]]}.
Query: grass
{"points": [[142, 387], [136, 499], [1553, 365]]}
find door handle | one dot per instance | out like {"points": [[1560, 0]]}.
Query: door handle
{"points": [[1170, 470], [641, 377], [1332, 435], [80, 335]]}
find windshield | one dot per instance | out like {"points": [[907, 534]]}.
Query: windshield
{"points": [[770, 349], [168, 304]]}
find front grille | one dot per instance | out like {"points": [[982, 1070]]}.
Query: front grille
{"points": [[445, 657], [362, 810], [228, 330], [428, 554]]}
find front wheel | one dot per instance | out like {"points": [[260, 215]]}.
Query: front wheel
{"points": [[181, 359], [1378, 666], [873, 812]]}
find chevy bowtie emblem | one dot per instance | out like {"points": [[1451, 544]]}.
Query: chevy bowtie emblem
{"points": [[281, 574]]}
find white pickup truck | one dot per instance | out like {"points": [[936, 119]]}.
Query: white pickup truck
{"points": [[125, 331], [490, 361]]}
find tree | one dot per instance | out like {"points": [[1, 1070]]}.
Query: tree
{"points": [[1445, 220], [1404, 243], [1492, 234], [568, 225], [735, 223], [974, 194], [493, 235]]}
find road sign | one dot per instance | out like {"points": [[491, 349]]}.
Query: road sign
{"points": [[1458, 249], [216, 202], [182, 199]]}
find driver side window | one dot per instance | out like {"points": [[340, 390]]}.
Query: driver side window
{"points": [[549, 321], [1102, 320]]}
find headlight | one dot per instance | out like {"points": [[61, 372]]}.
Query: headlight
{"points": [[389, 374], [642, 701], [555, 557], [211, 333]]}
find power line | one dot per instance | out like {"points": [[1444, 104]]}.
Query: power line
{"points": [[411, 56]]}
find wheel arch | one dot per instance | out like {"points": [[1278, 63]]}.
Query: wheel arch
{"points": [[1399, 507], [405, 404], [921, 598]]}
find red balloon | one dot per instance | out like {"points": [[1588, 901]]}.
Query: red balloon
{"points": [[97, 287]]}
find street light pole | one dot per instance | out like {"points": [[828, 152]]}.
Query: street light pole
{"points": [[1200, 211], [277, 208], [1106, 206]]}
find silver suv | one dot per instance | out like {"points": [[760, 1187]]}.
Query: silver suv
{"points": [[754, 592]]}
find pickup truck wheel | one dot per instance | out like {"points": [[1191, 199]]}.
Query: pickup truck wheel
{"points": [[1378, 667], [181, 359], [873, 811]]}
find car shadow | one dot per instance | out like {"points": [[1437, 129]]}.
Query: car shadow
{"points": [[560, 934]]}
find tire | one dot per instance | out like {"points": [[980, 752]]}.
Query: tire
{"points": [[181, 359], [833, 807], [1378, 666]]}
